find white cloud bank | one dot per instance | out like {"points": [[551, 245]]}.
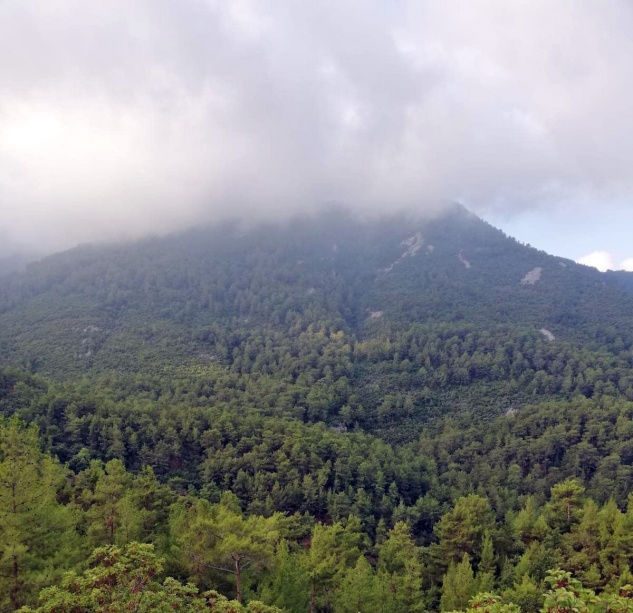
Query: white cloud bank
{"points": [[603, 261], [120, 117]]}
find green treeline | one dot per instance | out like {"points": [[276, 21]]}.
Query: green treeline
{"points": [[268, 509], [280, 464], [53, 518]]}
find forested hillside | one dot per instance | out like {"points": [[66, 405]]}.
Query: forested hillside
{"points": [[377, 323], [329, 415]]}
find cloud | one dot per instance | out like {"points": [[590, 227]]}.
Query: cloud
{"points": [[128, 116], [603, 260]]}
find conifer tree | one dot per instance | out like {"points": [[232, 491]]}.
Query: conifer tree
{"points": [[565, 504], [333, 549], [37, 536], [125, 580], [289, 585], [486, 570], [461, 529], [400, 566], [458, 585], [220, 538], [356, 590], [113, 517]]}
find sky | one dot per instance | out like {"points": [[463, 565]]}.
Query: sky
{"points": [[125, 117]]}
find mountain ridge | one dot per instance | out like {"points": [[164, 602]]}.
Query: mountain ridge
{"points": [[380, 324], [378, 257]]}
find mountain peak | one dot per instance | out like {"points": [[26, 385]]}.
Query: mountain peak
{"points": [[331, 268]]}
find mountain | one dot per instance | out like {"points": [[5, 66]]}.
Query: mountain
{"points": [[380, 324], [623, 278], [331, 414], [16, 261]]}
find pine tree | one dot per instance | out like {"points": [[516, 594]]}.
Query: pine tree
{"points": [[356, 590], [458, 586], [399, 563], [37, 536], [460, 530], [125, 580], [289, 585], [333, 549], [220, 538], [565, 504], [486, 571], [526, 594], [113, 518]]}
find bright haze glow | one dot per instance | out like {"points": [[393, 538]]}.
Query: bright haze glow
{"points": [[603, 260], [123, 117]]}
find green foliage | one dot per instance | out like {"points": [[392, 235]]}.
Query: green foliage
{"points": [[126, 580], [333, 549], [356, 590], [565, 503], [36, 532], [565, 595], [458, 585], [289, 586], [280, 319], [400, 567], [461, 530], [526, 594], [220, 538]]}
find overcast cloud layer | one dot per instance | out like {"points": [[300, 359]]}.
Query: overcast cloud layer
{"points": [[119, 117]]}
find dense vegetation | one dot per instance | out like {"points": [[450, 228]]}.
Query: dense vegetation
{"points": [[416, 557], [329, 416]]}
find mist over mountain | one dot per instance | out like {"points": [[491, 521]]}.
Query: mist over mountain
{"points": [[140, 118], [15, 262]]}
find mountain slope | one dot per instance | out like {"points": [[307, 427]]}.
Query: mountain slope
{"points": [[380, 325], [622, 278]]}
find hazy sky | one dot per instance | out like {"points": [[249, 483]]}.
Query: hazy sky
{"points": [[121, 117]]}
